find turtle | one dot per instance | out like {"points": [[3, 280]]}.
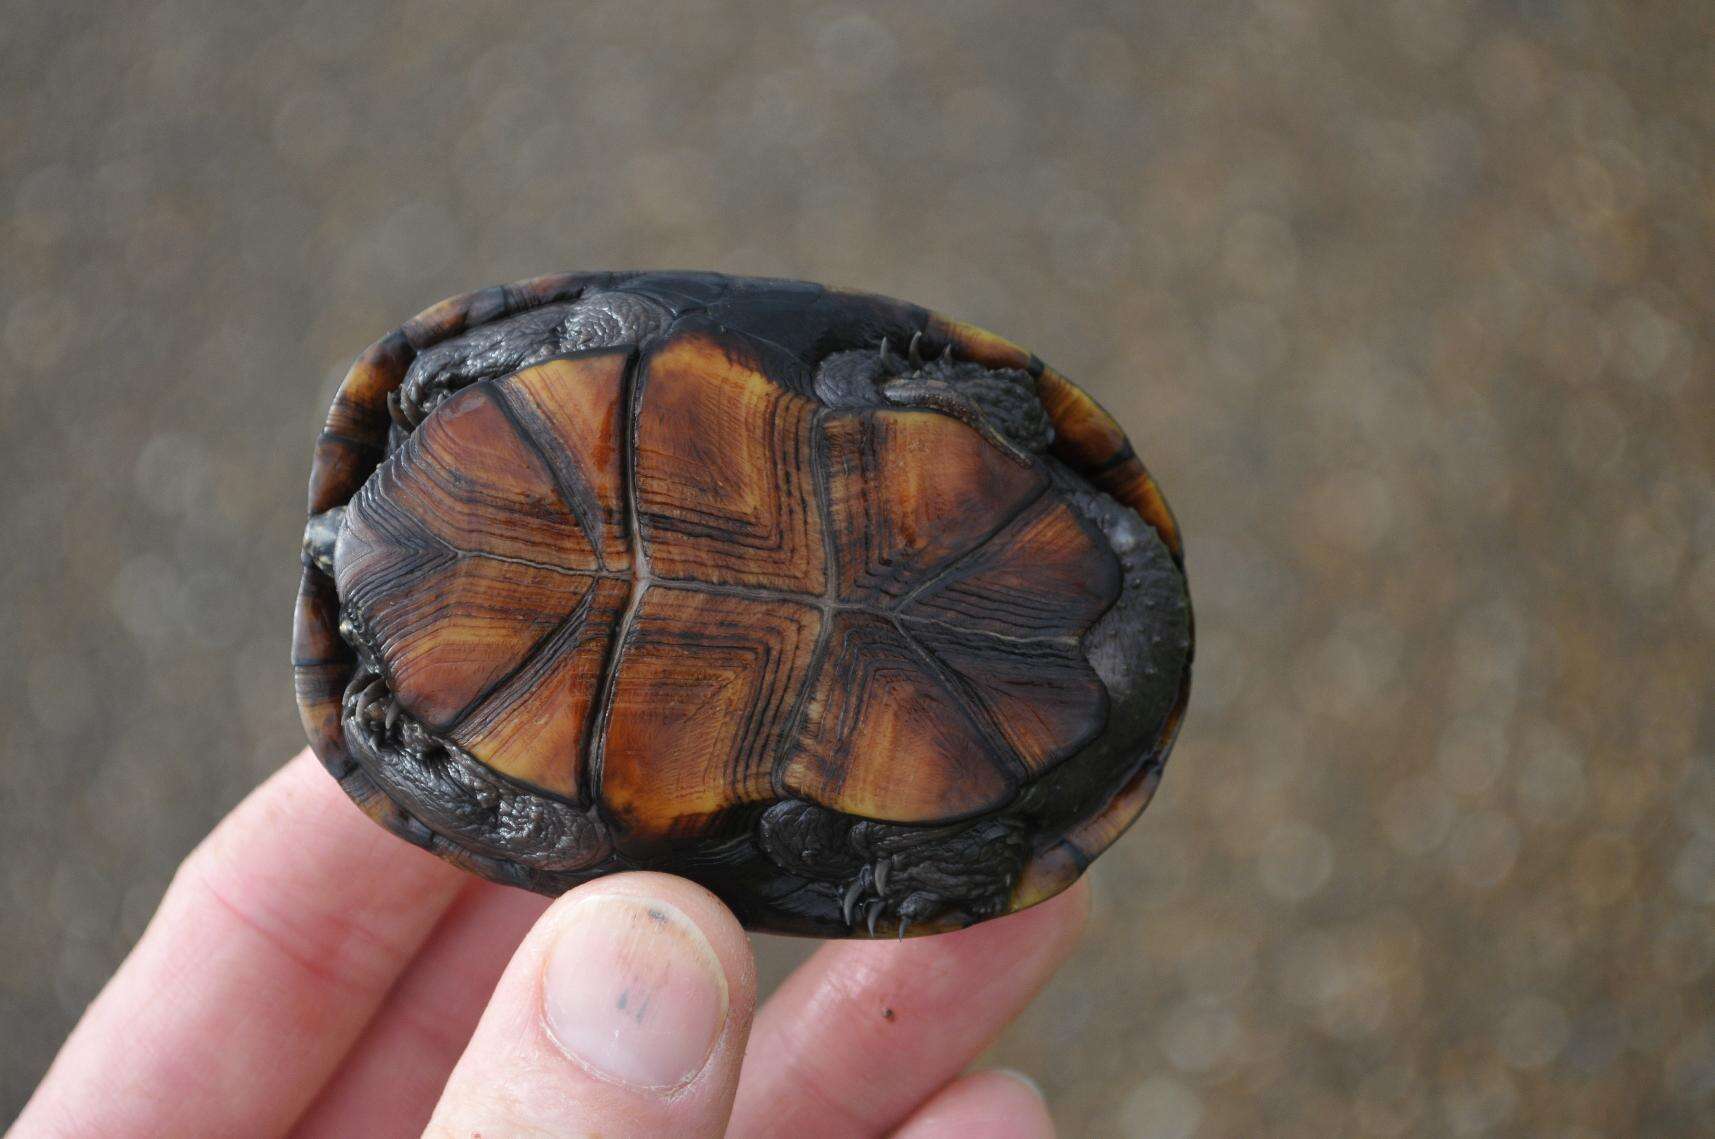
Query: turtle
{"points": [[864, 618]]}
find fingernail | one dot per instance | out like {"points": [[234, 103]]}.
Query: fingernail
{"points": [[633, 991], [1015, 1074]]}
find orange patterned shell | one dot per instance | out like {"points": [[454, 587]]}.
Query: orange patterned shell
{"points": [[813, 602], [827, 604]]}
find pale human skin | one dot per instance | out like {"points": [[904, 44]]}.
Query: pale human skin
{"points": [[309, 974]]}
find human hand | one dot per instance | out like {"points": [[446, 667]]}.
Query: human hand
{"points": [[309, 973]]}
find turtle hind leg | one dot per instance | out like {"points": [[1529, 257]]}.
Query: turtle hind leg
{"points": [[896, 876], [451, 793]]}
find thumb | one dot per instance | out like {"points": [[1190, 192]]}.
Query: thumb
{"points": [[624, 1012]]}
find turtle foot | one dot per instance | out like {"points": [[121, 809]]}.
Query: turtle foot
{"points": [[916, 875], [890, 876], [371, 705], [455, 795], [873, 898]]}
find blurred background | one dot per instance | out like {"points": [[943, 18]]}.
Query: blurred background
{"points": [[1409, 305]]}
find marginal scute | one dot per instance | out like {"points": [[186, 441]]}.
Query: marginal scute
{"points": [[725, 487], [1100, 831], [321, 661], [355, 432], [1087, 439], [883, 737], [973, 343], [453, 315], [1059, 865], [704, 686]]}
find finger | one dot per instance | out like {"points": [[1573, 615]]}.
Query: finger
{"points": [[624, 1013], [866, 1030], [389, 1082], [987, 1105], [277, 939]]}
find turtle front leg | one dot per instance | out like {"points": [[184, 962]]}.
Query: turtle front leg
{"points": [[890, 873]]}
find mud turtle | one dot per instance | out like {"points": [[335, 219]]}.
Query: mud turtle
{"points": [[863, 618]]}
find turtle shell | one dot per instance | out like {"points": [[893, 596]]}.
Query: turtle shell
{"points": [[864, 618]]}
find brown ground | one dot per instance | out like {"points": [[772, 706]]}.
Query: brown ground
{"points": [[1408, 304]]}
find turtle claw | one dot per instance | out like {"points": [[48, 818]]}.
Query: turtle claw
{"points": [[853, 892], [396, 412], [866, 896], [914, 352], [371, 707]]}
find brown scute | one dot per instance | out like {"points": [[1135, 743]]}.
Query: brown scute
{"points": [[452, 633], [884, 737], [1043, 575], [466, 554], [573, 410], [909, 491], [725, 482], [707, 683], [535, 725], [382, 551], [357, 423], [474, 482], [1040, 696], [724, 477]]}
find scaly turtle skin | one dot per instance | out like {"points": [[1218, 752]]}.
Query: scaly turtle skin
{"points": [[863, 618]]}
